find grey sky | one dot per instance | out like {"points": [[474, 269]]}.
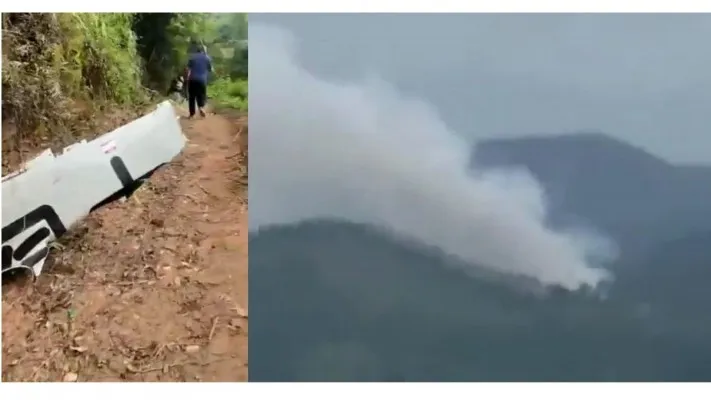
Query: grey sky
{"points": [[643, 78]]}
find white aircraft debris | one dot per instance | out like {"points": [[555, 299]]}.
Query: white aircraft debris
{"points": [[50, 193]]}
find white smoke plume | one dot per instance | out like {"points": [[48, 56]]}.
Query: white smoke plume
{"points": [[363, 152]]}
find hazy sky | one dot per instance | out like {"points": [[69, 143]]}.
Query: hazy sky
{"points": [[643, 78]]}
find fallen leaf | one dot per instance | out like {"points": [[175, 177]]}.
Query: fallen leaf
{"points": [[71, 377], [240, 311], [193, 348], [130, 367]]}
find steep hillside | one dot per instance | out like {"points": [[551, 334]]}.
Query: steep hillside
{"points": [[67, 76], [370, 308]]}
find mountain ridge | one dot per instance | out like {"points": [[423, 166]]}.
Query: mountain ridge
{"points": [[360, 306]]}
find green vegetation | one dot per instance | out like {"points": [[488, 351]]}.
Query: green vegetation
{"points": [[228, 92], [57, 68], [166, 40], [229, 53], [62, 73]]}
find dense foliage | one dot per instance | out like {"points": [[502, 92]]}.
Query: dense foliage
{"points": [[60, 69], [54, 64], [230, 59]]}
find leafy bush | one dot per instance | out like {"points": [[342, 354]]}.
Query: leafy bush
{"points": [[100, 51], [226, 92], [229, 54], [58, 69]]}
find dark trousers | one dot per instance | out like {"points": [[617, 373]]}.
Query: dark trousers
{"points": [[197, 92]]}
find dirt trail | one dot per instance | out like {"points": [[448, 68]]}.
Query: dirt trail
{"points": [[151, 289]]}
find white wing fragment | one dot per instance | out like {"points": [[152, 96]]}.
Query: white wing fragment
{"points": [[50, 193]]}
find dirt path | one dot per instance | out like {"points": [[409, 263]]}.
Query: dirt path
{"points": [[151, 289]]}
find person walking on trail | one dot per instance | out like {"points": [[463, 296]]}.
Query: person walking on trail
{"points": [[199, 66]]}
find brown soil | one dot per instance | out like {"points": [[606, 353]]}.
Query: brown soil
{"points": [[150, 289]]}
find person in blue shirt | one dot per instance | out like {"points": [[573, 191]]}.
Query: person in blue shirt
{"points": [[199, 66]]}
